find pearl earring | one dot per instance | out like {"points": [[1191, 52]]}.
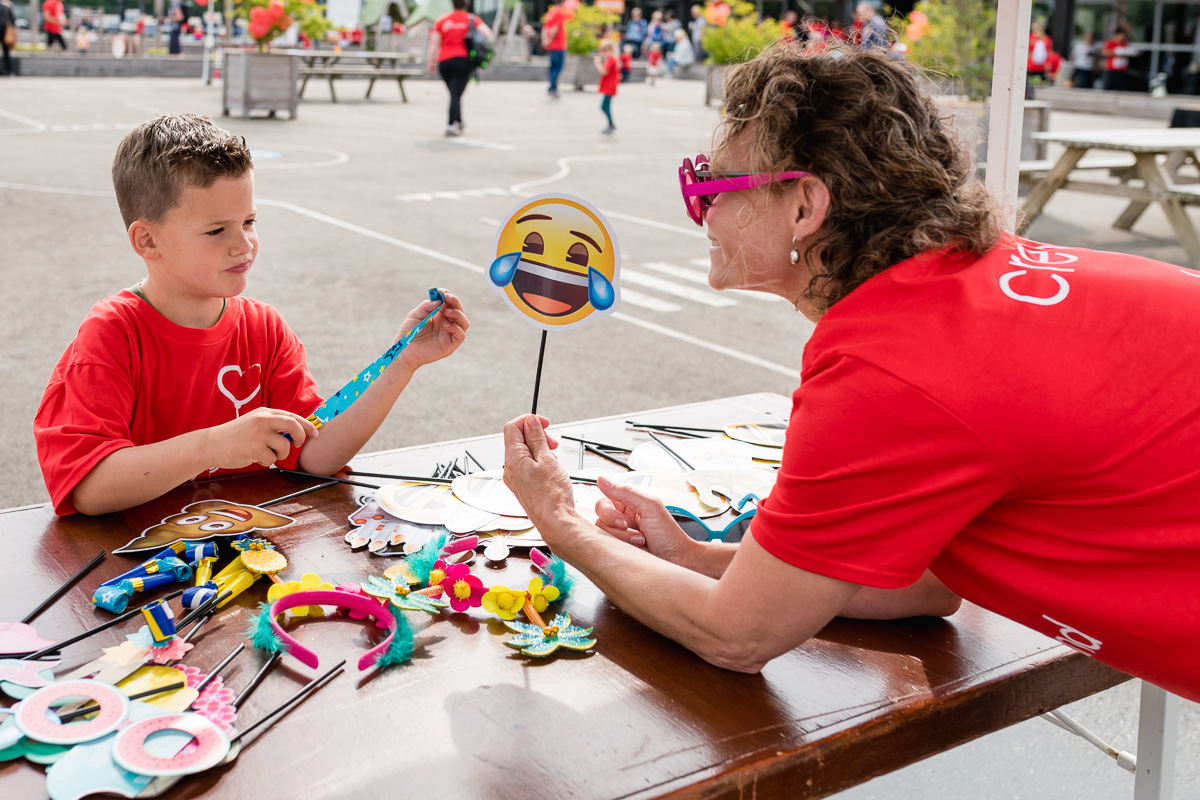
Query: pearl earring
{"points": [[795, 254]]}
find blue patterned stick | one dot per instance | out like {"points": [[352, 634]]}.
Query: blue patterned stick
{"points": [[344, 397]]}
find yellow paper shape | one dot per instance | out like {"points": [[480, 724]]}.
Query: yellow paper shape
{"points": [[154, 677]]}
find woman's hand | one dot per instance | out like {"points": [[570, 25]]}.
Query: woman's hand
{"points": [[440, 337], [535, 476], [643, 521]]}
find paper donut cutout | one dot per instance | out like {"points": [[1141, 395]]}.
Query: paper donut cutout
{"points": [[33, 721], [211, 745]]}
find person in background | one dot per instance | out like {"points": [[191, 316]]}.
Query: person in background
{"points": [[1040, 48], [790, 24], [696, 31], [1083, 59], [681, 56], [1116, 52], [8, 22], [654, 63], [448, 57], [669, 26], [626, 62], [54, 17], [610, 76], [654, 31], [175, 18], [83, 40], [870, 32], [635, 32], [554, 41]]}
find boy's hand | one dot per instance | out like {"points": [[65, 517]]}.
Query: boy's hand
{"points": [[440, 337], [257, 438]]}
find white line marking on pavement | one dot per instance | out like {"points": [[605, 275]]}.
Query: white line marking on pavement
{"points": [[485, 145], [24, 187], [458, 194], [650, 302], [33, 123], [702, 277], [708, 298], [336, 157], [489, 221], [713, 346]]}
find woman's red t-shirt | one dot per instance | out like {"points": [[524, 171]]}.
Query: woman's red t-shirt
{"points": [[612, 76], [453, 28]]}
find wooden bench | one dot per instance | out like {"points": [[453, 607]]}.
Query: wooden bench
{"points": [[334, 71]]}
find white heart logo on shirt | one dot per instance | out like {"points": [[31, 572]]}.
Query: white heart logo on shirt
{"points": [[237, 404]]}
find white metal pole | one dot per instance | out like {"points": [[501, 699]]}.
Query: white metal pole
{"points": [[1158, 731], [1008, 102]]}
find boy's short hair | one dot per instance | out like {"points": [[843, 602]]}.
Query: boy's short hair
{"points": [[158, 159]]}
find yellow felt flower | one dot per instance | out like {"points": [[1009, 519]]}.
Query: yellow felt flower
{"points": [[541, 596], [308, 582], [503, 601]]}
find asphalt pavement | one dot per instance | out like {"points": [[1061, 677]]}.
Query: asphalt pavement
{"points": [[365, 204]]}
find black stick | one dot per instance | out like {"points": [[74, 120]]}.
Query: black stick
{"points": [[612, 448], [409, 478], [257, 679], [202, 685], [203, 609], [294, 495], [608, 456], [537, 381], [57, 593], [327, 478], [476, 460], [117, 620], [674, 427], [283, 708], [174, 687], [667, 447]]}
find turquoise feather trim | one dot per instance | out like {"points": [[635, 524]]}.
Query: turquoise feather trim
{"points": [[403, 643], [262, 635], [421, 563], [557, 576]]}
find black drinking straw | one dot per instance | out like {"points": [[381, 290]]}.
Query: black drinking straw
{"points": [[609, 447], [667, 447], [476, 460], [294, 495], [203, 609], [327, 478], [409, 478], [537, 381], [287, 705], [57, 593], [117, 620], [70, 715], [672, 427], [202, 685], [257, 679], [608, 456]]}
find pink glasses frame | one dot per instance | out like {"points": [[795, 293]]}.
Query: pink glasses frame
{"points": [[698, 187]]}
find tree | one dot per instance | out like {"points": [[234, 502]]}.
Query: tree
{"points": [[955, 38]]}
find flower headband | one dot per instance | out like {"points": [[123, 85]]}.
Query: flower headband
{"points": [[266, 633]]}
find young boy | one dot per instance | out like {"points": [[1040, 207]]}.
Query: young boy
{"points": [[626, 62], [610, 76], [180, 375]]}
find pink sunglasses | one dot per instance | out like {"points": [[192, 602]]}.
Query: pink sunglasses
{"points": [[699, 188]]}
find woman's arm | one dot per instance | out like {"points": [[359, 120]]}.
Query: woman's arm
{"points": [[434, 46]]}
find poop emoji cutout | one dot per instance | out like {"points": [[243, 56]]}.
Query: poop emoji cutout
{"points": [[557, 262], [204, 520]]}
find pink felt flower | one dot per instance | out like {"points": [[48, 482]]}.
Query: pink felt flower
{"points": [[354, 588], [462, 589], [216, 704], [173, 651]]}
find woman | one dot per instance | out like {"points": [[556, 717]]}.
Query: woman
{"points": [[448, 57], [979, 416]]}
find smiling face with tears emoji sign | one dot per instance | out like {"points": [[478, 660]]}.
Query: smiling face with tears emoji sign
{"points": [[557, 262]]}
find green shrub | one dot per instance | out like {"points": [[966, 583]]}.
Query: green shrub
{"points": [[741, 38], [957, 43], [583, 31]]}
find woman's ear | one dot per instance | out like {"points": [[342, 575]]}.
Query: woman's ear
{"points": [[812, 206], [141, 238]]}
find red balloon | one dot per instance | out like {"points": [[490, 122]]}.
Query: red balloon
{"points": [[275, 9], [259, 30], [258, 14]]}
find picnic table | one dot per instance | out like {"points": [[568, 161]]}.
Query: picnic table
{"points": [[373, 66], [636, 717], [1152, 179]]}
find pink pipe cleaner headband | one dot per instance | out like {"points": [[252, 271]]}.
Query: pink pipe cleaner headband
{"points": [[395, 649]]}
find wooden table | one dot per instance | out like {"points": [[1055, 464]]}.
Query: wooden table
{"points": [[360, 63], [637, 717], [1156, 180]]}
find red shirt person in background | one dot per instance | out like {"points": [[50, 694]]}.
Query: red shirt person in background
{"points": [[610, 76], [1117, 51], [1040, 50], [54, 17], [449, 58], [554, 40]]}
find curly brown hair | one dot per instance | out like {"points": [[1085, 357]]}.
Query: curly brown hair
{"points": [[901, 182], [158, 159]]}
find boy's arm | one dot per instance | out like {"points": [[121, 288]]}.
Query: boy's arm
{"points": [[342, 437], [135, 475]]}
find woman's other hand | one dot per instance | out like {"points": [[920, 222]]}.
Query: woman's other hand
{"points": [[643, 521]]}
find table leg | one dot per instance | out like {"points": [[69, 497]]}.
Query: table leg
{"points": [[1044, 189], [1158, 730], [403, 96], [1157, 182], [1134, 210], [303, 83], [332, 93], [370, 86]]}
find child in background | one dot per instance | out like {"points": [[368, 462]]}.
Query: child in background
{"points": [[626, 62], [150, 393], [654, 63], [610, 75]]}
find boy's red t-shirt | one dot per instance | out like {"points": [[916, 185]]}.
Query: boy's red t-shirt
{"points": [[1119, 60], [556, 16], [1027, 426], [652, 58], [626, 60], [454, 28], [610, 78], [133, 377]]}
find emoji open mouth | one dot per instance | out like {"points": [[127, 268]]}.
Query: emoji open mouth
{"points": [[548, 290], [236, 513]]}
